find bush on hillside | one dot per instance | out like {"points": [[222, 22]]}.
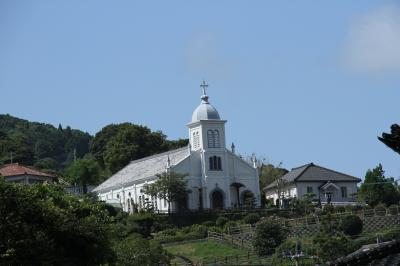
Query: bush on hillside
{"points": [[251, 218], [352, 225], [221, 221], [208, 223], [186, 233], [269, 234], [229, 225], [380, 209], [340, 209]]}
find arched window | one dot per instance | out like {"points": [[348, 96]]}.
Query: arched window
{"points": [[196, 140], [210, 138], [216, 139], [215, 163]]}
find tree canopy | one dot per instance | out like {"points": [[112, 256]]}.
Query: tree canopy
{"points": [[41, 225], [392, 139], [118, 144], [376, 188], [169, 186], [41, 144], [84, 171]]}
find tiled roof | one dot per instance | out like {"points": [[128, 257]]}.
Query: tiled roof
{"points": [[143, 168], [17, 169], [313, 172]]}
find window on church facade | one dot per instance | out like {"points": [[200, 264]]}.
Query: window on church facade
{"points": [[216, 139], [215, 163], [210, 138], [213, 138], [196, 140]]}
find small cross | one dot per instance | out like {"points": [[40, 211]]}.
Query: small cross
{"points": [[204, 85]]}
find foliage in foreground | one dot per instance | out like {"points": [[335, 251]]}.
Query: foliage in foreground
{"points": [[352, 225], [169, 186], [41, 225], [269, 234]]}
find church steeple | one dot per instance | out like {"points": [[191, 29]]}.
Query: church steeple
{"points": [[206, 130]]}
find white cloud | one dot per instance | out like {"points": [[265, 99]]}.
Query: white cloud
{"points": [[373, 42], [205, 59]]}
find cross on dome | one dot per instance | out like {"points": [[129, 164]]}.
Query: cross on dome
{"points": [[204, 97]]}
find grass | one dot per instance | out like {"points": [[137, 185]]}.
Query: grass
{"points": [[206, 250]]}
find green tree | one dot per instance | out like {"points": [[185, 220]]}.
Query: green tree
{"points": [[392, 139], [268, 235], [376, 188], [31, 142], [137, 251], [351, 225], [41, 225], [268, 174], [85, 172], [330, 243], [169, 186], [305, 202], [116, 145]]}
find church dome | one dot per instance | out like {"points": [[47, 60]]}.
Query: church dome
{"points": [[205, 111]]}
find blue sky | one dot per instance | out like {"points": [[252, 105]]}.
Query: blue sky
{"points": [[298, 81]]}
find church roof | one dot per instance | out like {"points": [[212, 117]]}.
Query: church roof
{"points": [[16, 169], [143, 168], [205, 111], [312, 172]]}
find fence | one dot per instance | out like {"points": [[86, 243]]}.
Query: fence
{"points": [[373, 220], [235, 240]]}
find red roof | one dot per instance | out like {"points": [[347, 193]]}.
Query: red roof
{"points": [[16, 169]]}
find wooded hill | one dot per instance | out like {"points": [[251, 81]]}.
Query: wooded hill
{"points": [[48, 147]]}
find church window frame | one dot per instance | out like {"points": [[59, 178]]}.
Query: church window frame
{"points": [[216, 139], [210, 138], [215, 163]]}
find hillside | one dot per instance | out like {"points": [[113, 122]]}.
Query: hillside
{"points": [[48, 147], [40, 144]]}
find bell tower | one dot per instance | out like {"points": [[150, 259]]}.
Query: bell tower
{"points": [[206, 130]]}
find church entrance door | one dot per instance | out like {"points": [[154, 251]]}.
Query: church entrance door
{"points": [[217, 200]]}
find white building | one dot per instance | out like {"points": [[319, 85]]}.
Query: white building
{"points": [[217, 177], [329, 186]]}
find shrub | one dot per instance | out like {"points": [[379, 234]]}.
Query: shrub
{"points": [[251, 218], [351, 208], [228, 225], [269, 234], [351, 225], [380, 209], [208, 223], [221, 221], [144, 222], [186, 233], [331, 246], [136, 250], [328, 208], [340, 209]]}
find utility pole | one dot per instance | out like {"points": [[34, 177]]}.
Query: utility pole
{"points": [[11, 155], [74, 154]]}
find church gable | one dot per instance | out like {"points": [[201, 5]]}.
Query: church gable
{"points": [[238, 166]]}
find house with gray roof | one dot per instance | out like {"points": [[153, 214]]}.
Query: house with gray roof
{"points": [[329, 186], [216, 177]]}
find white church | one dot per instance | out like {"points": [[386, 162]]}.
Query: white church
{"points": [[217, 178]]}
